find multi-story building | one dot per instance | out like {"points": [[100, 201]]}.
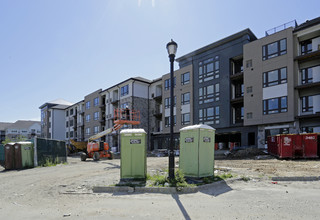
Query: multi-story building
{"points": [[75, 122], [183, 110], [131, 93], [218, 88], [3, 128], [307, 75], [53, 120], [23, 129]]}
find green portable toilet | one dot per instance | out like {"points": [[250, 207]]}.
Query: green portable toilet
{"points": [[197, 150], [133, 154], [26, 154]]}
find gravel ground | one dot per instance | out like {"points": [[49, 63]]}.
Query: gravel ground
{"points": [[64, 192]]}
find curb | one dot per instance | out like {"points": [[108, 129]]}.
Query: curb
{"points": [[296, 178], [163, 190]]}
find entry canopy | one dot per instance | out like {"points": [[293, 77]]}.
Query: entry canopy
{"points": [[192, 127], [131, 131]]}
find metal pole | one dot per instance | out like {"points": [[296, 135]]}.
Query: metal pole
{"points": [[171, 149]]}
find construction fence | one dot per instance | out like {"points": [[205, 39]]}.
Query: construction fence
{"points": [[47, 150]]}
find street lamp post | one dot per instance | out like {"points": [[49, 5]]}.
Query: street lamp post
{"points": [[172, 49]]}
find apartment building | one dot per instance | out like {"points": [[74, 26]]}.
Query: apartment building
{"points": [[307, 75], [218, 88], [53, 119], [134, 93], [75, 122], [183, 110], [23, 129]]}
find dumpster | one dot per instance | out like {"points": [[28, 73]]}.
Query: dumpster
{"points": [[2, 155], [133, 154], [9, 156], [17, 156], [273, 145], [309, 143], [197, 150], [286, 145], [26, 154]]}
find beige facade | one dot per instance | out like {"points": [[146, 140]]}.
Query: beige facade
{"points": [[180, 109]]}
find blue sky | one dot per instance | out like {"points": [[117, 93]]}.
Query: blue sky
{"points": [[67, 49]]}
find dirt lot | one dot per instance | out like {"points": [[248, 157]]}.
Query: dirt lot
{"points": [[65, 191]]}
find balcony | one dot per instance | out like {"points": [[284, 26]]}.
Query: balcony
{"points": [[102, 106], [309, 56], [309, 116], [157, 114], [236, 76], [115, 101], [236, 100], [157, 97], [308, 86]]}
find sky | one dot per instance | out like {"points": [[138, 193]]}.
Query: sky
{"points": [[52, 49]]}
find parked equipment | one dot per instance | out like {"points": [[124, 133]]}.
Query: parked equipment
{"points": [[96, 149]]}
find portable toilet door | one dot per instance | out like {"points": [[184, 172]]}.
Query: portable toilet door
{"points": [[9, 156], [27, 155]]}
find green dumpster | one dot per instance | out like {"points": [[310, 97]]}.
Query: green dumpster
{"points": [[27, 154], [197, 150], [133, 154]]}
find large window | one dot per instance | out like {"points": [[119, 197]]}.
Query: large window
{"points": [[124, 90], [275, 77], [88, 105], [209, 69], [96, 130], [274, 49], [96, 101], [167, 102], [167, 121], [167, 83], [306, 75], [87, 131], [185, 98], [275, 105], [209, 115], [306, 47], [185, 78], [185, 119], [87, 118], [96, 116], [209, 93], [307, 103]]}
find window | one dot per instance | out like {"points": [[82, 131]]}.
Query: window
{"points": [[209, 69], [209, 94], [87, 131], [67, 135], [124, 105], [306, 47], [249, 115], [275, 77], [209, 115], [185, 78], [249, 89], [306, 75], [67, 113], [87, 118], [248, 63], [88, 105], [167, 121], [96, 130], [274, 49], [96, 101], [185, 98], [71, 111], [124, 90], [67, 124], [167, 83], [167, 102], [71, 123], [275, 105], [96, 116], [307, 103], [71, 134], [185, 119]]}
